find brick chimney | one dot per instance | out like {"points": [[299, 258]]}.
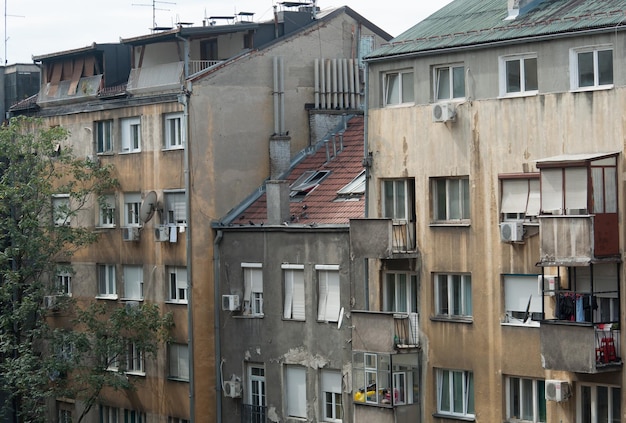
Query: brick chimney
{"points": [[277, 190]]}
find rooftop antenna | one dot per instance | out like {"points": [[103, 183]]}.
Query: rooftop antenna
{"points": [[154, 9], [6, 37]]}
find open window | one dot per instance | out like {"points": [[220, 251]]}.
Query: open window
{"points": [[306, 183]]}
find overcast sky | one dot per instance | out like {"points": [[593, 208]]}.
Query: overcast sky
{"points": [[36, 27]]}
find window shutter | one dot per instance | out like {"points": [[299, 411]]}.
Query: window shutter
{"points": [[296, 391], [323, 296], [514, 195], [331, 381], [298, 295], [551, 190], [576, 188], [288, 294], [179, 211], [534, 198], [256, 276], [333, 303]]}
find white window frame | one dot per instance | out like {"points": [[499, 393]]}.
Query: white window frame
{"points": [[594, 402], [133, 282], [131, 134], [109, 414], [329, 293], [106, 288], [437, 75], [134, 416], [521, 59], [177, 285], [135, 360], [173, 131], [295, 297], [518, 290], [175, 208], [457, 204], [398, 88], [132, 206], [178, 355], [103, 134], [295, 391], [331, 395], [107, 211], [253, 289], [63, 284], [451, 297], [61, 212], [256, 385], [449, 377], [574, 67], [537, 394], [398, 286], [395, 198]]}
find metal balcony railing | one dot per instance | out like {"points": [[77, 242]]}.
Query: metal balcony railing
{"points": [[196, 66], [403, 236], [406, 327], [253, 413], [608, 348]]}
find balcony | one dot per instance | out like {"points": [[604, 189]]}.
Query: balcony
{"points": [[382, 238], [253, 413], [386, 331], [196, 66]]}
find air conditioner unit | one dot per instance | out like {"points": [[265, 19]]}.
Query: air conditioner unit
{"points": [[443, 112], [232, 389], [551, 284], [557, 390], [130, 234], [511, 231], [162, 233], [230, 302], [50, 302]]}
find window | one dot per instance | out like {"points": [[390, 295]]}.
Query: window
{"points": [[176, 420], [453, 295], [134, 359], [518, 75], [131, 135], [520, 198], [253, 289], [132, 205], [598, 404], [398, 88], [175, 208], [385, 379], [306, 183], [133, 282], [173, 131], [65, 416], [352, 191], [449, 82], [256, 392], [63, 284], [591, 67], [61, 209], [455, 393], [332, 402], [133, 416], [451, 202], [399, 205], [179, 361], [328, 292], [107, 211], [400, 293], [178, 284], [295, 391], [104, 136], [525, 400], [108, 414], [520, 294], [106, 281], [294, 291]]}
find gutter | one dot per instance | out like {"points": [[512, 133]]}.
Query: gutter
{"points": [[367, 163], [216, 325]]}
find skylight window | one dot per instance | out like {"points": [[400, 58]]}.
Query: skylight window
{"points": [[306, 183], [353, 190]]}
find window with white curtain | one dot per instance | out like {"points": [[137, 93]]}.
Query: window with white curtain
{"points": [[132, 204], [521, 293], [131, 134], [294, 292], [252, 289], [177, 291], [455, 393], [106, 281], [133, 282], [329, 301], [178, 361], [520, 198], [398, 88], [525, 400], [453, 295], [400, 292], [332, 404], [598, 403], [295, 391], [175, 208]]}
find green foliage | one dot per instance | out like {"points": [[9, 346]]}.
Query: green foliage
{"points": [[37, 361]]}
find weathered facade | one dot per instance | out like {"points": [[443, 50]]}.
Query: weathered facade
{"points": [[186, 116], [495, 142]]}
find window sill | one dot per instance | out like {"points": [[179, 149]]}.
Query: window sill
{"points": [[594, 88], [106, 227], [177, 148], [521, 324], [448, 100], [175, 302], [123, 153], [518, 95], [452, 319], [106, 297], [126, 299], [453, 417], [395, 106], [105, 153], [177, 379], [136, 373], [462, 224], [249, 316]]}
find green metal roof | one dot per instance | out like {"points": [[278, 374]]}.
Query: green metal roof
{"points": [[465, 23]]}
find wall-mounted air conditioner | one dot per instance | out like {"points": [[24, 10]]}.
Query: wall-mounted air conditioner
{"points": [[557, 390], [232, 389], [162, 233], [130, 234], [230, 302], [511, 231], [547, 288], [443, 112]]}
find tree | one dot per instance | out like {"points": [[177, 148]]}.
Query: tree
{"points": [[40, 357]]}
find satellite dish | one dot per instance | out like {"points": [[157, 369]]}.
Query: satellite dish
{"points": [[340, 318], [148, 206]]}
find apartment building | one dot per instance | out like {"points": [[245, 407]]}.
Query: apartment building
{"points": [[187, 117], [495, 154]]}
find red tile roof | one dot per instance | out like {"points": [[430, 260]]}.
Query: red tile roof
{"points": [[319, 205]]}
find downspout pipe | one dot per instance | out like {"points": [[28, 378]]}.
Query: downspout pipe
{"points": [[367, 162], [216, 324]]}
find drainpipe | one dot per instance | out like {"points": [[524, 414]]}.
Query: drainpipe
{"points": [[183, 98], [367, 161], [216, 324]]}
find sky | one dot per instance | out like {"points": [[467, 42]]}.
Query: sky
{"points": [[38, 27]]}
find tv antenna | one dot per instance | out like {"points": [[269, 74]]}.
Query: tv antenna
{"points": [[6, 37], [154, 9]]}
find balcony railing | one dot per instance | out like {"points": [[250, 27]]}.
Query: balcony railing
{"points": [[608, 348], [253, 413], [403, 236], [406, 330], [196, 66]]}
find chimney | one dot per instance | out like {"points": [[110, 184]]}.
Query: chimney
{"points": [[277, 194], [280, 155]]}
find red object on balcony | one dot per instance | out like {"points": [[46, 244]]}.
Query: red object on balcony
{"points": [[607, 350]]}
